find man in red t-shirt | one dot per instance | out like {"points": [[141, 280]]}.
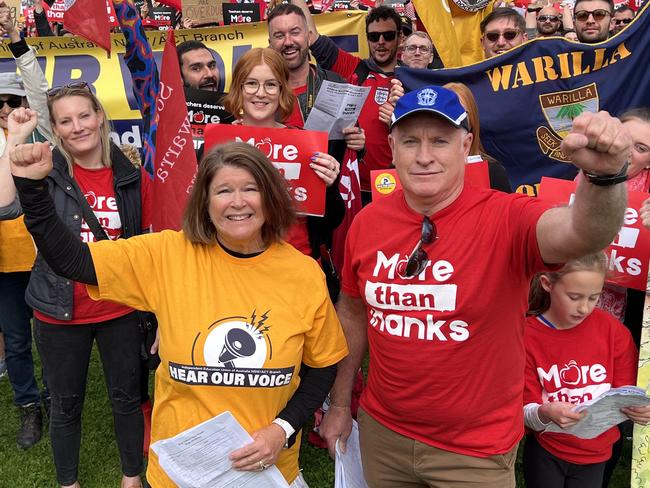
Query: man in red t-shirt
{"points": [[384, 32], [435, 282]]}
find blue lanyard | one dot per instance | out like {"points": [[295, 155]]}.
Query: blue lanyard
{"points": [[546, 322]]}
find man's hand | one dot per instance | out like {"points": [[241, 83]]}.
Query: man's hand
{"points": [[598, 143], [560, 413], [20, 124], [33, 161], [644, 212], [355, 138], [336, 425]]}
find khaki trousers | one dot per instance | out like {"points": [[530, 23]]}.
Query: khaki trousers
{"points": [[391, 460]]}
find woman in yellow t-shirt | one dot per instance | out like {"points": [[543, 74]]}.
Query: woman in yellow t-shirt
{"points": [[245, 321]]}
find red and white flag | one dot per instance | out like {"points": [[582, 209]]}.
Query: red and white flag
{"points": [[175, 160], [88, 19], [350, 190]]}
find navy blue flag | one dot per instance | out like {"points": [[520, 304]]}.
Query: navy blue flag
{"points": [[528, 97]]}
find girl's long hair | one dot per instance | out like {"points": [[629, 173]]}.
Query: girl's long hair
{"points": [[539, 300]]}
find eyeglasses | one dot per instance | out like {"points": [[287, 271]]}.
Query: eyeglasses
{"points": [[598, 14], [14, 101], [508, 35], [419, 258], [548, 18], [251, 87], [77, 85], [387, 35], [413, 49], [622, 21]]}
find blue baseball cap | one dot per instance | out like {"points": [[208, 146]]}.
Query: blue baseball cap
{"points": [[433, 99]]}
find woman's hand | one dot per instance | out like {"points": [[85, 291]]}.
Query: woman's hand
{"points": [[326, 167], [20, 124], [262, 452], [156, 343], [355, 138], [33, 161], [560, 413], [639, 415]]}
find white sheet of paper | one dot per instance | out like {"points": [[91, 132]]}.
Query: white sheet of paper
{"points": [[337, 106], [198, 457], [348, 471], [604, 412]]}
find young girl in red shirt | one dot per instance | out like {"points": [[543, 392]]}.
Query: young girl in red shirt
{"points": [[575, 353]]}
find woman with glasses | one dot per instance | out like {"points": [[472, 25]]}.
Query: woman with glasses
{"points": [[99, 194], [260, 96], [245, 321]]}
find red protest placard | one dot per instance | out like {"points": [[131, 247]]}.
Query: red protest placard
{"points": [[628, 255], [290, 151], [385, 181]]}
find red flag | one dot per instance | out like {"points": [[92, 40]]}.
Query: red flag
{"points": [[177, 4], [350, 189], [88, 19], [175, 160]]}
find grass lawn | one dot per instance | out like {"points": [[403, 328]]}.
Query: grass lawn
{"points": [[99, 466]]}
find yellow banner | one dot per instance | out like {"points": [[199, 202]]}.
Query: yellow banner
{"points": [[68, 59]]}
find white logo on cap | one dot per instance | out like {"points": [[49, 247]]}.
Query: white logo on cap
{"points": [[427, 97]]}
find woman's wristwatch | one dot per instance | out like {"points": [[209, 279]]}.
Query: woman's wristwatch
{"points": [[288, 430]]}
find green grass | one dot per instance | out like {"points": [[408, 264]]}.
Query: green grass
{"points": [[99, 465]]}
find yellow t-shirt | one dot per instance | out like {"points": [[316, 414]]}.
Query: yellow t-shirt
{"points": [[233, 331], [17, 250]]}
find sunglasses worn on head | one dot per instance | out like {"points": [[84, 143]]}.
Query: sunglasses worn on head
{"points": [[598, 14], [77, 85], [14, 101], [508, 35], [622, 21], [548, 18], [419, 258], [387, 35]]}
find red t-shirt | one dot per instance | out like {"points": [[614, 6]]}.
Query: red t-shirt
{"points": [[447, 347], [555, 364], [378, 154], [298, 236], [97, 186]]}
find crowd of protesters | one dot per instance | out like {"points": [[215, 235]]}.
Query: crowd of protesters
{"points": [[434, 322]]}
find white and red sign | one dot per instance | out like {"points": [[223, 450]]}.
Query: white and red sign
{"points": [[290, 151], [628, 255], [55, 12], [385, 181]]}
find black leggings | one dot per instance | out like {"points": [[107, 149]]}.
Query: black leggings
{"points": [[65, 352], [544, 470]]}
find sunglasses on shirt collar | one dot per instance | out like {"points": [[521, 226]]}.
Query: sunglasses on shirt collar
{"points": [[387, 35], [419, 258]]}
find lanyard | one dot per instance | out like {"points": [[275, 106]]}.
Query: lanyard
{"points": [[546, 322]]}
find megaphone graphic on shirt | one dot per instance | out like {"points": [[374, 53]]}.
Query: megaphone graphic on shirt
{"points": [[238, 344]]}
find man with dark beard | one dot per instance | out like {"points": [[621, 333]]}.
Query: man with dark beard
{"points": [[592, 19], [384, 33], [198, 67], [544, 22]]}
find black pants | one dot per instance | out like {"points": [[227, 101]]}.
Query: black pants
{"points": [[543, 470], [65, 351]]}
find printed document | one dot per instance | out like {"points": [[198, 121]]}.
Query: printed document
{"points": [[348, 469], [337, 106], [198, 457], [604, 412]]}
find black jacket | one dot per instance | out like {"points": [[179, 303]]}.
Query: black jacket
{"points": [[49, 293]]}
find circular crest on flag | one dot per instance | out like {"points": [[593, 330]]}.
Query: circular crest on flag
{"points": [[471, 5]]}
